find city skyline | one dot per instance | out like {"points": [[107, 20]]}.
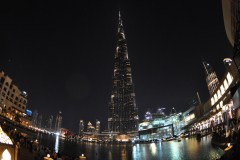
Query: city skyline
{"points": [[64, 58]]}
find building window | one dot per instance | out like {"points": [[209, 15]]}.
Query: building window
{"points": [[225, 84], [215, 97], [5, 89], [222, 89], [219, 94], [229, 78]]}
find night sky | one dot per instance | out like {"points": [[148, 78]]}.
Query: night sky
{"points": [[62, 52]]}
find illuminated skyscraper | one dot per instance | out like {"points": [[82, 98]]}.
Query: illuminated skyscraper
{"points": [[211, 78], [123, 112], [81, 127], [97, 126], [58, 122]]}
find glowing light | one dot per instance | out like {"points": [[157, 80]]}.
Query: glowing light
{"points": [[56, 143], [153, 148], [4, 138], [225, 84], [229, 78], [6, 155], [212, 101]]}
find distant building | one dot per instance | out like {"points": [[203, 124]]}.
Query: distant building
{"points": [[39, 121], [13, 101], [34, 118], [81, 127], [58, 122], [90, 127], [50, 122], [148, 116], [98, 126], [123, 112], [211, 78]]}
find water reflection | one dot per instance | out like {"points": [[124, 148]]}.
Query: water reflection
{"points": [[153, 148], [186, 149], [124, 153], [56, 143]]}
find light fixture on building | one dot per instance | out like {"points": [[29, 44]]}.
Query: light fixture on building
{"points": [[8, 150]]}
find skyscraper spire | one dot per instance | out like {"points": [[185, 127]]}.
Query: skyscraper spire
{"points": [[123, 113], [119, 18], [120, 24], [205, 65], [211, 78]]}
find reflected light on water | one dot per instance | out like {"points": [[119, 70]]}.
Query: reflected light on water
{"points": [[56, 143], [175, 150], [153, 148], [136, 151], [109, 154], [124, 154]]}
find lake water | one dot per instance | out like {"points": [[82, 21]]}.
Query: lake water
{"points": [[187, 149]]}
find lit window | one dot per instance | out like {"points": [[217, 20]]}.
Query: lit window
{"points": [[221, 104], [222, 89], [217, 107], [225, 84], [215, 97], [229, 78], [212, 101], [219, 94]]}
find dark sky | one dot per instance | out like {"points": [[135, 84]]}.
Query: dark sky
{"points": [[62, 52]]}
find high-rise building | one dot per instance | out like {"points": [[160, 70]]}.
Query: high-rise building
{"points": [[58, 123], [98, 126], [13, 101], [211, 78], [90, 127], [230, 15], [50, 122], [39, 121], [81, 127], [123, 112], [35, 118]]}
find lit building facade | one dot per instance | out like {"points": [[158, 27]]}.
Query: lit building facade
{"points": [[211, 78], [98, 126], [58, 122], [123, 112], [81, 127], [223, 101], [161, 127], [13, 101], [90, 128]]}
